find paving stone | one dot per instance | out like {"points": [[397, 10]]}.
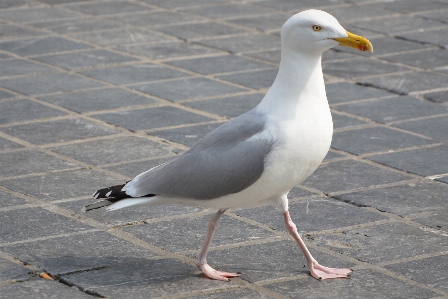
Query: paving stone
{"points": [[44, 84], [6, 144], [61, 185], [383, 242], [313, 214], [127, 215], [347, 92], [8, 31], [297, 192], [228, 10], [17, 3], [439, 15], [181, 3], [336, 55], [98, 8], [350, 174], [220, 64], [270, 55], [200, 30], [380, 286], [186, 135], [188, 88], [167, 50], [82, 252], [36, 14], [430, 271], [60, 1], [401, 200], [425, 161], [268, 261], [238, 293], [436, 37], [58, 131], [256, 79], [9, 200], [28, 223], [245, 43], [386, 45], [359, 68], [443, 179], [393, 109], [106, 151], [342, 121], [377, 139], [15, 67], [297, 6], [23, 110], [74, 25], [85, 59], [166, 277], [41, 45], [12, 271], [409, 6], [407, 82], [438, 96], [42, 288], [229, 106], [398, 24], [130, 74], [151, 118], [428, 59], [135, 168], [121, 36], [96, 100], [189, 233], [333, 155], [273, 21], [438, 220], [151, 19], [30, 161], [358, 13], [431, 127]]}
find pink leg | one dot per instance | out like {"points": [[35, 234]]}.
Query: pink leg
{"points": [[202, 259], [317, 271]]}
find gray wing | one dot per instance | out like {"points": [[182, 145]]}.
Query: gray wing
{"points": [[225, 161]]}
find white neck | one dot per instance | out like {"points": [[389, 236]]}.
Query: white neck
{"points": [[299, 79]]}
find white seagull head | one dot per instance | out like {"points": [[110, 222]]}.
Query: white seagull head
{"points": [[314, 31]]}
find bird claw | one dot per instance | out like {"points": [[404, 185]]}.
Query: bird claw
{"points": [[215, 274], [321, 272]]}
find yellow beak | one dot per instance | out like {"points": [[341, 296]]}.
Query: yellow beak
{"points": [[355, 41]]}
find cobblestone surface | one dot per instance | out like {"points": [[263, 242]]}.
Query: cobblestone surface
{"points": [[94, 92]]}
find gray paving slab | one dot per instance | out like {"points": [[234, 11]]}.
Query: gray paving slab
{"points": [[343, 121], [437, 220], [228, 106], [13, 271], [8, 31], [350, 174], [425, 162], [15, 67], [134, 168], [106, 151], [97, 100], [427, 60], [23, 110], [189, 234], [238, 293], [58, 131], [393, 109], [382, 286], [106, 8], [438, 96], [434, 37], [384, 242], [42, 288], [9, 200], [236, 44], [30, 223], [347, 92], [433, 127], [401, 200], [6, 144], [398, 24], [312, 215], [375, 139], [148, 279], [187, 88], [256, 79], [186, 135], [66, 255], [200, 30], [272, 21], [414, 6], [151, 118], [74, 25], [294, 5], [36, 14], [61, 185], [131, 74], [30, 161], [155, 18]]}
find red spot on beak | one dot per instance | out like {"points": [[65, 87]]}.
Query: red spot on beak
{"points": [[362, 48]]}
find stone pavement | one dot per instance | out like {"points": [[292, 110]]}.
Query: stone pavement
{"points": [[94, 92]]}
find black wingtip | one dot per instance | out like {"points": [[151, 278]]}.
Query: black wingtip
{"points": [[97, 205]]}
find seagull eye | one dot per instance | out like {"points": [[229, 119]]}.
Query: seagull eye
{"points": [[316, 28]]}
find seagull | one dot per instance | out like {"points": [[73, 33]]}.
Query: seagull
{"points": [[256, 158]]}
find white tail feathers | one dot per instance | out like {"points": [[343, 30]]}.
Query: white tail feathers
{"points": [[128, 202]]}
